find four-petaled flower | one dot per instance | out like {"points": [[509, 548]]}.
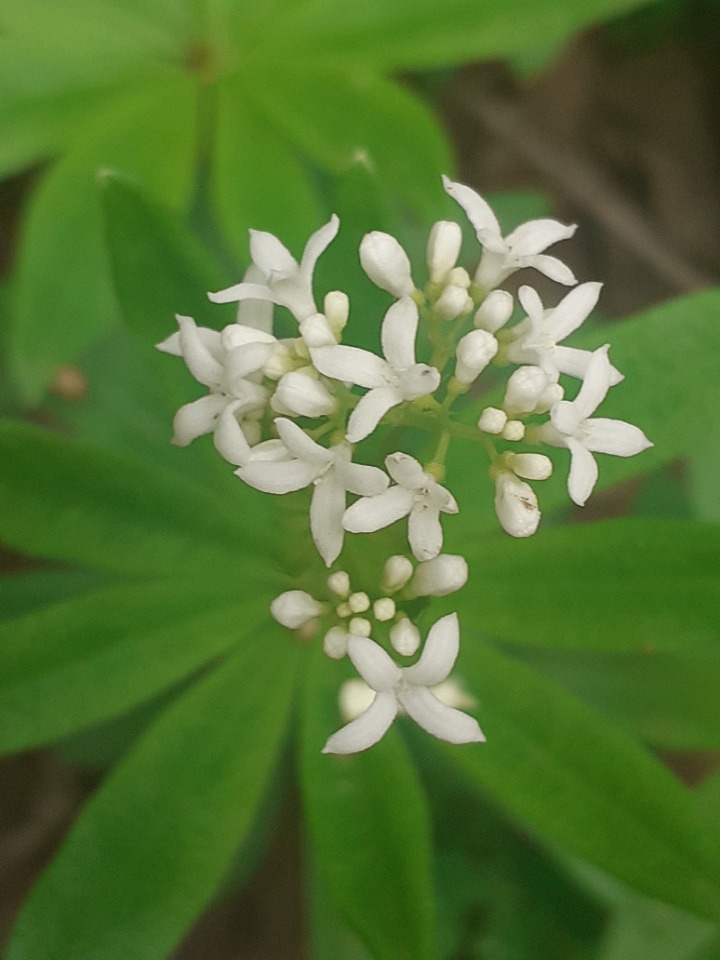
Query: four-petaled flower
{"points": [[416, 494], [329, 469], [521, 248], [391, 380], [406, 688], [283, 280], [570, 426]]}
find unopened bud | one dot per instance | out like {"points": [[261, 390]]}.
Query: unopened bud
{"points": [[294, 608], [360, 627], [550, 396], [316, 332], [443, 249], [335, 643], [530, 466], [354, 698], [525, 386], [405, 637], [458, 277], [513, 430], [516, 505], [337, 310], [495, 311], [386, 263], [396, 573], [474, 352], [453, 302], [339, 583], [440, 576], [384, 609], [492, 420], [359, 602], [300, 394]]}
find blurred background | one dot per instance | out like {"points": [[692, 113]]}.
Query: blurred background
{"points": [[611, 120]]}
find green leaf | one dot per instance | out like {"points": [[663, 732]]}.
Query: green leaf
{"points": [[63, 297], [26, 592], [418, 34], [159, 268], [153, 844], [369, 827], [668, 699], [337, 117], [621, 585], [68, 502], [87, 659], [583, 784], [259, 179]]}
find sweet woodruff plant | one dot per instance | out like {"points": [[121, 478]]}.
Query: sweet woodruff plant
{"points": [[285, 413]]}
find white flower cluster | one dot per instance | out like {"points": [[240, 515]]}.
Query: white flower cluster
{"points": [[285, 414]]}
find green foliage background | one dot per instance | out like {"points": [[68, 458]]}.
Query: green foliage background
{"points": [[159, 132]]}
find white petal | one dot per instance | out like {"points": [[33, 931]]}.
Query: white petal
{"points": [[278, 476], [241, 361], [374, 664], [195, 350], [242, 291], [572, 311], [575, 362], [326, 509], [318, 243], [257, 314], [370, 411], [170, 345], [373, 513], [478, 211], [300, 444], [304, 396], [583, 472], [240, 334], [195, 419], [406, 471], [316, 332], [386, 263], [441, 721], [229, 439], [418, 381], [615, 436], [531, 303], [439, 653], [399, 329], [351, 365], [516, 505], [595, 385], [537, 235], [551, 267], [271, 256], [370, 727], [364, 480], [424, 531]]}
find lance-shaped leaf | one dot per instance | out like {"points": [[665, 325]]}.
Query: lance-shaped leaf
{"points": [[622, 585], [369, 826], [581, 783], [154, 843], [25, 593], [89, 658], [64, 501]]}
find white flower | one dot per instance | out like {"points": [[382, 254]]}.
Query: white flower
{"points": [[473, 353], [391, 380], [386, 263], [570, 426], [495, 311], [516, 505], [407, 688], [417, 495], [521, 248], [284, 280], [538, 335], [331, 472], [531, 389], [443, 249], [300, 394], [295, 608]]}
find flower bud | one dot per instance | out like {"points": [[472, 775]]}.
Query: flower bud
{"points": [[359, 602], [495, 311], [405, 637], [294, 608], [337, 310], [513, 430], [440, 576], [516, 505], [335, 643], [474, 352], [360, 627], [386, 263], [396, 573], [453, 302], [492, 420], [279, 363], [384, 609], [550, 396], [458, 277], [339, 583], [525, 386], [300, 394], [530, 466], [354, 698], [315, 331], [443, 249]]}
